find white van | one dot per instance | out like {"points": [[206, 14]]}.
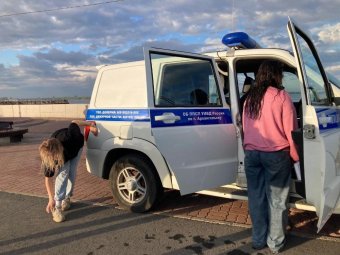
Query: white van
{"points": [[173, 121]]}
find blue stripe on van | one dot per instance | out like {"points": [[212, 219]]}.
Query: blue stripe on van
{"points": [[118, 114], [187, 117], [328, 118], [191, 117]]}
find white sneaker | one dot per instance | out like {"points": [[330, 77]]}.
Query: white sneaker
{"points": [[58, 215], [66, 204]]}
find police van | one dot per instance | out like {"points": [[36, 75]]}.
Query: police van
{"points": [[173, 121]]}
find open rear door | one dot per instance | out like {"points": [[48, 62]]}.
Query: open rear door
{"points": [[321, 128], [190, 120]]}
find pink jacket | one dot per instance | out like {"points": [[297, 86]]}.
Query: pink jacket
{"points": [[272, 131]]}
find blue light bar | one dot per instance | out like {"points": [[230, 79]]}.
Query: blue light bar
{"points": [[239, 40]]}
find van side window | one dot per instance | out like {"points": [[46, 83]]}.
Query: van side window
{"points": [[184, 81]]}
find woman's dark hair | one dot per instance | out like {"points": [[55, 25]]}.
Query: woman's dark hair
{"points": [[269, 74]]}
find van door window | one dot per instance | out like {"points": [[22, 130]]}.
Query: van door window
{"points": [[181, 81], [317, 91]]}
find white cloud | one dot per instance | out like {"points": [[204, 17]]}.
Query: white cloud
{"points": [[193, 29], [333, 69], [275, 42], [213, 41], [79, 73], [330, 33], [7, 87], [59, 48], [56, 21]]}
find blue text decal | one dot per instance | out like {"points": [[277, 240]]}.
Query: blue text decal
{"points": [[328, 118], [189, 117], [118, 114]]}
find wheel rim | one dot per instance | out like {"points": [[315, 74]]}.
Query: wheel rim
{"points": [[131, 185]]}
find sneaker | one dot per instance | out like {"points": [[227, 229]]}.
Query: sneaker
{"points": [[66, 204], [58, 215]]}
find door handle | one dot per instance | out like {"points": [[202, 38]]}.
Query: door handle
{"points": [[309, 131], [168, 117]]}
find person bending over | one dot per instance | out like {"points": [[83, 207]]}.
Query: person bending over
{"points": [[60, 155]]}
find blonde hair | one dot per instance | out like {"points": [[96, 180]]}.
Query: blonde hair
{"points": [[51, 154]]}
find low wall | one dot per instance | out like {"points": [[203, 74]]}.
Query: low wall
{"points": [[44, 111]]}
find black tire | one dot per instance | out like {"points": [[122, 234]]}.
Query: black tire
{"points": [[135, 196]]}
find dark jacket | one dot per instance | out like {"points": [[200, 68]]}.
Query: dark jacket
{"points": [[72, 140]]}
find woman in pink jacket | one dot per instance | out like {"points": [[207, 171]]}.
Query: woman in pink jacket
{"points": [[268, 119]]}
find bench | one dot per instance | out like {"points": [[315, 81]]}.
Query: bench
{"points": [[15, 134], [4, 125]]}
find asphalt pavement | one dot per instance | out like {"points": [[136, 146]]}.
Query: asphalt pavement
{"points": [[93, 230]]}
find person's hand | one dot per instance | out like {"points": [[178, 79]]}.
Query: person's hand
{"points": [[50, 205], [94, 129]]}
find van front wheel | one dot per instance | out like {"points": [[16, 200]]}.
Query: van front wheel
{"points": [[133, 183]]}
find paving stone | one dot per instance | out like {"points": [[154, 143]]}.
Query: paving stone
{"points": [[242, 219], [216, 217], [239, 210], [232, 217], [202, 214]]}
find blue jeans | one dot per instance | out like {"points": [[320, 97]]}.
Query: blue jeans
{"points": [[268, 179], [66, 177]]}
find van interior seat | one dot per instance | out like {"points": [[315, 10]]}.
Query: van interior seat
{"points": [[247, 84]]}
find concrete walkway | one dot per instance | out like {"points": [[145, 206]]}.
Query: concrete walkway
{"points": [[20, 173]]}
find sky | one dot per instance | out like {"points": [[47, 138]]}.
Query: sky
{"points": [[54, 53]]}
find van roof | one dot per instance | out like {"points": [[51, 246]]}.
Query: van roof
{"points": [[265, 52]]}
